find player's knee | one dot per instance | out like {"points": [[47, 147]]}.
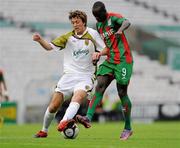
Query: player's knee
{"points": [[122, 93], [53, 108], [100, 87]]}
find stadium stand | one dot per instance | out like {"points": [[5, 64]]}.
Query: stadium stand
{"points": [[152, 84], [57, 10]]}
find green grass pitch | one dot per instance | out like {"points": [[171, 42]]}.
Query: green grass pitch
{"points": [[100, 135]]}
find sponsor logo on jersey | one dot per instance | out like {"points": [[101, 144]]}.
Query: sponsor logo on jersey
{"points": [[107, 34], [80, 52]]}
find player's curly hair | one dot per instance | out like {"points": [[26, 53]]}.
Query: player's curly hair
{"points": [[80, 14]]}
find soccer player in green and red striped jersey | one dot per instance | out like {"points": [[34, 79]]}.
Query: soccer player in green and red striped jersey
{"points": [[118, 65]]}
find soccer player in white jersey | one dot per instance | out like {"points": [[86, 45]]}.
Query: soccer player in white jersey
{"points": [[79, 46]]}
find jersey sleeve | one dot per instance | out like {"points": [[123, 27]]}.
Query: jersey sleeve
{"points": [[118, 18], [60, 41]]}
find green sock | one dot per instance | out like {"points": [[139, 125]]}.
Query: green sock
{"points": [[126, 103], [92, 105]]}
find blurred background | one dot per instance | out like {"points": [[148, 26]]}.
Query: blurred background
{"points": [[28, 74]]}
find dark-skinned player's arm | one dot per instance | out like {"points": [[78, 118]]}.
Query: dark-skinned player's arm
{"points": [[124, 26]]}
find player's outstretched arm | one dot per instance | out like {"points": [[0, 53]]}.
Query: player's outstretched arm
{"points": [[38, 38], [125, 25]]}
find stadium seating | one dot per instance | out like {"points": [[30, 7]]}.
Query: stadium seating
{"points": [[153, 83], [172, 7], [57, 11]]}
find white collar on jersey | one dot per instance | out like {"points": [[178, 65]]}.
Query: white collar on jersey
{"points": [[79, 36]]}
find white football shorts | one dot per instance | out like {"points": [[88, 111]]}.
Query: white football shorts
{"points": [[69, 83]]}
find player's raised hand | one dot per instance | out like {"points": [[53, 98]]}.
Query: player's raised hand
{"points": [[36, 37], [45, 44]]}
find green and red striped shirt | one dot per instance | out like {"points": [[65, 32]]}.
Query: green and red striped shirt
{"points": [[118, 48]]}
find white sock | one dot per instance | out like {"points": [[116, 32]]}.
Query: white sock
{"points": [[48, 117], [71, 111]]}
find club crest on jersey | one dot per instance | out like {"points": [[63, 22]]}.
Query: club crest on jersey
{"points": [[86, 42], [87, 87], [109, 22]]}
